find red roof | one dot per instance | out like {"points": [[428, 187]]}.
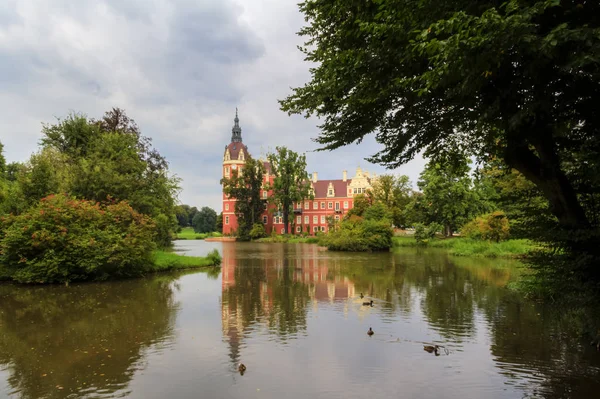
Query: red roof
{"points": [[234, 150], [340, 188]]}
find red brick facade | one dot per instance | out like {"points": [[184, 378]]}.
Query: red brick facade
{"points": [[332, 197]]}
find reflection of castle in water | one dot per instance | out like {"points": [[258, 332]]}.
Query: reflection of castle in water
{"points": [[262, 288]]}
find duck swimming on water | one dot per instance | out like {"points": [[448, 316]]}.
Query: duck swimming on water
{"points": [[368, 303], [370, 332], [241, 368], [432, 349]]}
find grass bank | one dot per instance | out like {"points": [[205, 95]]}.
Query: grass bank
{"points": [[289, 239], [165, 261], [467, 247], [188, 233]]}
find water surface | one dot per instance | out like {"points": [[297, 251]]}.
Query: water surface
{"points": [[293, 315]]}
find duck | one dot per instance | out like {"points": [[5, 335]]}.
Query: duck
{"points": [[368, 303], [431, 349], [361, 295], [370, 332], [241, 368]]}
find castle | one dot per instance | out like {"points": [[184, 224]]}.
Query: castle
{"points": [[331, 197]]}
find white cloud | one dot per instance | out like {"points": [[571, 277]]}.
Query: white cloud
{"points": [[179, 68]]}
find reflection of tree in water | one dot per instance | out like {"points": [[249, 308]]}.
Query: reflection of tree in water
{"points": [[82, 338], [546, 341]]}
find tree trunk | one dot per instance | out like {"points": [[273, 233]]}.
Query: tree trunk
{"points": [[447, 230], [286, 216], [545, 172]]}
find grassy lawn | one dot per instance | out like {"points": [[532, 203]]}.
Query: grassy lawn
{"points": [[164, 261], [468, 247], [187, 233]]}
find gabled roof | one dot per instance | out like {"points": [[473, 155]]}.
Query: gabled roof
{"points": [[340, 188]]}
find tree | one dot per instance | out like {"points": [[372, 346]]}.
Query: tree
{"points": [[290, 183], [205, 221], [361, 203], [448, 195], [395, 193], [111, 159], [2, 161], [191, 213], [219, 224], [181, 212], [245, 186], [515, 79]]}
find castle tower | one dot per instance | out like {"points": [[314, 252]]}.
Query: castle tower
{"points": [[234, 159]]}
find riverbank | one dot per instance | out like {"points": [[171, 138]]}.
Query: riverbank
{"points": [[289, 239], [188, 233], [167, 261], [459, 246]]}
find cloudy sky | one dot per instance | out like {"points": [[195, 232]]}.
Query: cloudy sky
{"points": [[178, 67]]}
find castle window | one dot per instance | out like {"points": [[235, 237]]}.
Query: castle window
{"points": [[264, 195], [316, 229], [323, 228], [355, 191], [323, 205], [226, 219], [226, 207], [315, 219], [337, 218], [337, 206], [330, 192], [345, 204], [330, 205], [315, 205], [299, 219], [298, 229], [323, 219], [306, 219], [265, 219], [306, 205]]}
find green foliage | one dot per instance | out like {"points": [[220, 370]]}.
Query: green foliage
{"points": [[395, 192], [449, 197], [47, 172], [459, 246], [258, 231], [245, 188], [164, 260], [492, 226], [290, 184], [205, 221], [361, 203], [424, 233], [2, 161], [164, 230], [513, 80], [377, 211], [356, 234], [219, 224], [63, 239]]}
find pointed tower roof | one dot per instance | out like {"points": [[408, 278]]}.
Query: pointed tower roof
{"points": [[236, 130]]}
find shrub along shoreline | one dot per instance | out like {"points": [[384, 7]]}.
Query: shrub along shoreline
{"points": [[459, 246]]}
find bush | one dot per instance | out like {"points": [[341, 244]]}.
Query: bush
{"points": [[492, 226], [257, 231], [63, 239], [424, 233], [359, 235]]}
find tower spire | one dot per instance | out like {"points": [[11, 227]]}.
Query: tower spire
{"points": [[236, 131]]}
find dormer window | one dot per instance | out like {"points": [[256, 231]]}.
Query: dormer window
{"points": [[330, 192]]}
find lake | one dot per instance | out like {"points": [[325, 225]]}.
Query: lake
{"points": [[293, 315]]}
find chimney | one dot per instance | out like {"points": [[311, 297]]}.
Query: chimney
{"points": [[344, 175], [314, 177]]}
